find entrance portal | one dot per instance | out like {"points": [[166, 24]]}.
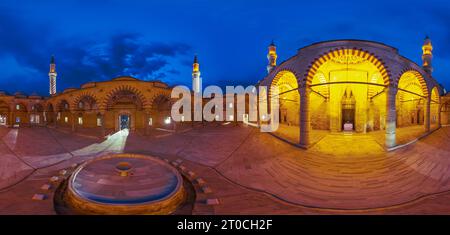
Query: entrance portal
{"points": [[348, 111], [124, 121]]}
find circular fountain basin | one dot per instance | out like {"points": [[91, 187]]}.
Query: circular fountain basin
{"points": [[125, 184]]}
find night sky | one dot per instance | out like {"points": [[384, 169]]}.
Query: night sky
{"points": [[156, 40]]}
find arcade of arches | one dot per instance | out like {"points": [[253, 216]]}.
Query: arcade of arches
{"points": [[348, 91], [122, 103]]}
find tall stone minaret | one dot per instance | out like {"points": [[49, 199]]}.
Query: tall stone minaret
{"points": [[52, 76], [272, 57], [196, 79], [427, 56]]}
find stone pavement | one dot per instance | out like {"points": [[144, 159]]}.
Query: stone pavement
{"points": [[250, 172]]}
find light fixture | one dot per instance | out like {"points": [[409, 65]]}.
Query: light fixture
{"points": [[167, 120]]}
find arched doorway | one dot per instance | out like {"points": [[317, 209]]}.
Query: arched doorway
{"points": [[434, 108], [289, 105], [125, 108], [347, 90], [411, 106], [37, 114]]}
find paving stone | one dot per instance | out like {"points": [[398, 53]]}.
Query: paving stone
{"points": [[183, 168], [200, 181], [212, 201], [46, 187], [54, 179], [39, 197], [206, 189]]}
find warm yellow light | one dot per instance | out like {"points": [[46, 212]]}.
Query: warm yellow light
{"points": [[195, 67]]}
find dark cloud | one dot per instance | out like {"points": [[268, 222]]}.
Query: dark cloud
{"points": [[79, 61]]}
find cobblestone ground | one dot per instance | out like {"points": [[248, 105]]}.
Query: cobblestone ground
{"points": [[248, 171]]}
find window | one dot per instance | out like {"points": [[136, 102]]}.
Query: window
{"points": [[66, 119], [17, 106], [231, 118], [99, 121], [150, 121], [182, 118], [17, 119], [80, 120], [59, 116], [80, 105], [34, 119], [2, 120]]}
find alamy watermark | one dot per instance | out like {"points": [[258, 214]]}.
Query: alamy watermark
{"points": [[237, 104]]}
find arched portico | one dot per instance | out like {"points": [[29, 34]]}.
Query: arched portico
{"points": [[124, 108], [357, 87]]}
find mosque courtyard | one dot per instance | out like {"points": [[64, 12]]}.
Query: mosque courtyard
{"points": [[236, 169]]}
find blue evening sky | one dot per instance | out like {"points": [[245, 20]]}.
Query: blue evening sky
{"points": [[156, 40]]}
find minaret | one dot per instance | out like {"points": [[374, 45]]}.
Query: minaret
{"points": [[272, 57], [52, 76], [427, 56], [196, 79]]}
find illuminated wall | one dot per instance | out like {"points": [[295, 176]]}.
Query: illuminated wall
{"points": [[411, 99], [288, 97], [434, 108], [349, 84]]}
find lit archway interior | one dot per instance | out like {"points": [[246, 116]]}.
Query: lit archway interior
{"points": [[411, 100], [289, 104], [434, 108], [347, 92]]}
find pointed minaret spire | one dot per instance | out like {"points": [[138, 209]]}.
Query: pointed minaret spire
{"points": [[427, 55], [196, 79], [272, 57], [52, 76]]}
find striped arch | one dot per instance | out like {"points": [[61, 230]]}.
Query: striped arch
{"points": [[50, 107], [418, 75], [282, 73], [83, 95], [60, 105], [155, 98], [108, 99], [434, 95], [315, 65]]}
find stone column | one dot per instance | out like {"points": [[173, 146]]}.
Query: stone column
{"points": [[439, 113], [391, 116], [146, 124], [427, 113], [73, 121], [305, 119], [102, 122], [10, 119]]}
